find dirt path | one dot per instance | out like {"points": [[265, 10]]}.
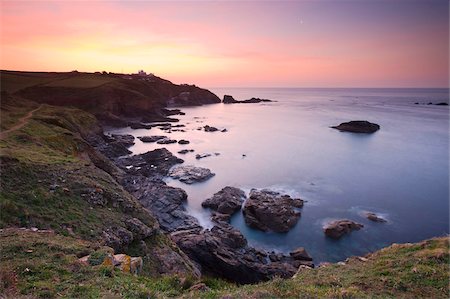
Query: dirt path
{"points": [[22, 121]]}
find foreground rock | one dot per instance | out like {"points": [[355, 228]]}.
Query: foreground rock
{"points": [[190, 174], [374, 217], [270, 211], [337, 229], [358, 126], [123, 262], [226, 202], [223, 251]]}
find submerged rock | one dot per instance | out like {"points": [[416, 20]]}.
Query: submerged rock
{"points": [[358, 126], [185, 151], [374, 217], [337, 229], [270, 211], [226, 202], [166, 141], [190, 174], [208, 128], [201, 156], [182, 141], [151, 138]]}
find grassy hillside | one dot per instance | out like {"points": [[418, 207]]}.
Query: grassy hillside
{"points": [[44, 264], [53, 179]]}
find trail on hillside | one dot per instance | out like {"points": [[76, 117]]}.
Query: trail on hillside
{"points": [[22, 121]]}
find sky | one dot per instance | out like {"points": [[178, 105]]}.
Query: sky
{"points": [[360, 43]]}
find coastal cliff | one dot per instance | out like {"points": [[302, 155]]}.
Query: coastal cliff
{"points": [[65, 197]]}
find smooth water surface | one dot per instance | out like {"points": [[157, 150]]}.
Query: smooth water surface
{"points": [[400, 172]]}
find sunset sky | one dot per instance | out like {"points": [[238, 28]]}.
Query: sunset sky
{"points": [[255, 43]]}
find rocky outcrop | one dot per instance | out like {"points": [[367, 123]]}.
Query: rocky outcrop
{"points": [[165, 202], [226, 202], [190, 174], [223, 251], [374, 217], [152, 163], [183, 141], [337, 229], [358, 126], [185, 151], [193, 96], [270, 211], [166, 141], [227, 99], [125, 140], [208, 128]]}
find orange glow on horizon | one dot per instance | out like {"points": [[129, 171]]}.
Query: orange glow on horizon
{"points": [[227, 44]]}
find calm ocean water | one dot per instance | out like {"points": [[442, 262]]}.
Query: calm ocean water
{"points": [[401, 172]]}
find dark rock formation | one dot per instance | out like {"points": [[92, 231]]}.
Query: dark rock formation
{"points": [[138, 125], [185, 151], [208, 128], [374, 217], [358, 126], [337, 229], [165, 202], [154, 138], [223, 251], [153, 163], [183, 141], [192, 97], [300, 254], [227, 99], [442, 104], [270, 211], [125, 140], [166, 141], [201, 156], [226, 202], [190, 174]]}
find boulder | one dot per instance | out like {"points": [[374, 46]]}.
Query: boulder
{"points": [[338, 228], [182, 141], [374, 217], [117, 237], [227, 201], [227, 99], [270, 211], [151, 138], [358, 126], [208, 128], [190, 174], [138, 229], [300, 254]]}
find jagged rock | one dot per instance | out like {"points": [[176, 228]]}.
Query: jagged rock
{"points": [[223, 251], [270, 211], [140, 230], [151, 138], [374, 217], [182, 141], [358, 126], [219, 217], [152, 163], [337, 229], [117, 237], [300, 254], [166, 141], [227, 201], [190, 174], [227, 99], [208, 128], [165, 202]]}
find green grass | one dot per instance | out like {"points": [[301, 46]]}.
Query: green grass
{"points": [[82, 81]]}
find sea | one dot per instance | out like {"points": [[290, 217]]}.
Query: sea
{"points": [[401, 172]]}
